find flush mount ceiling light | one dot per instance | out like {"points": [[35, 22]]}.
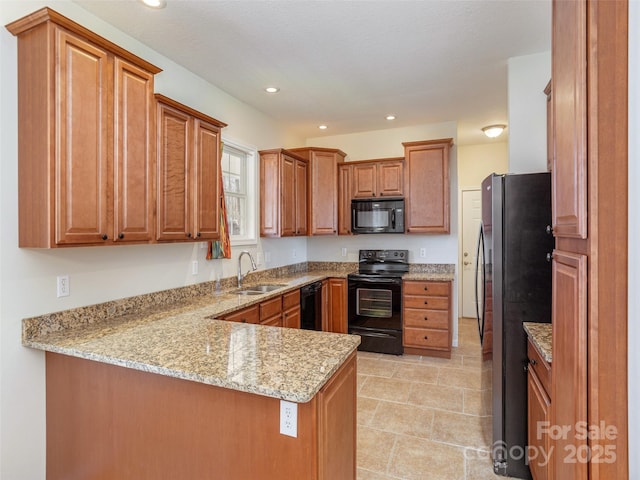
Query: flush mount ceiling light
{"points": [[272, 89], [493, 131], [390, 117], [155, 3], [322, 127]]}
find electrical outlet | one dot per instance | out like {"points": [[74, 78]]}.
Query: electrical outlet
{"points": [[62, 286], [194, 267], [288, 418], [423, 253], [344, 251]]}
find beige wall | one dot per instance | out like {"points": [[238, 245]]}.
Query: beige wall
{"points": [[475, 162]]}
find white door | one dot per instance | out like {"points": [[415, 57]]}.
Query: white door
{"points": [[471, 217]]}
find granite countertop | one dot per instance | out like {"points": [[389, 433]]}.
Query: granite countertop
{"points": [[176, 333], [540, 335], [184, 340]]}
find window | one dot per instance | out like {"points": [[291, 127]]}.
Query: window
{"points": [[239, 181]]}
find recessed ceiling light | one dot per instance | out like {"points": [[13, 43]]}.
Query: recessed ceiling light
{"points": [[272, 89], [155, 3], [322, 127], [390, 117]]}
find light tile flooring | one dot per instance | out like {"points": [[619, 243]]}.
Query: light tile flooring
{"points": [[421, 418]]}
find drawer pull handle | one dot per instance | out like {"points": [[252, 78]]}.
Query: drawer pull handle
{"points": [[426, 337]]}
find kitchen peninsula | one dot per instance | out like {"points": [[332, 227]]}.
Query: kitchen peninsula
{"points": [[164, 390]]}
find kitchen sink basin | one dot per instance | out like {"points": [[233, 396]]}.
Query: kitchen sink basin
{"points": [[258, 289]]}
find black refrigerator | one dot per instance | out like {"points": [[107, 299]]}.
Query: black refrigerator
{"points": [[513, 286]]}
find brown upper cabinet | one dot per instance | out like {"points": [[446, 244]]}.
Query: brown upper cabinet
{"points": [[85, 139], [569, 113], [380, 178], [550, 127], [345, 173], [189, 149], [283, 194], [323, 188], [426, 185]]}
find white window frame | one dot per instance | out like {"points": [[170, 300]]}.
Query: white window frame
{"points": [[251, 174]]}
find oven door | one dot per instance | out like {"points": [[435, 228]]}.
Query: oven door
{"points": [[375, 303]]}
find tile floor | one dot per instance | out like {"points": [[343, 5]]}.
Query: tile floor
{"points": [[421, 418]]}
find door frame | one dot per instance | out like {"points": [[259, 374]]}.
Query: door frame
{"points": [[461, 190]]}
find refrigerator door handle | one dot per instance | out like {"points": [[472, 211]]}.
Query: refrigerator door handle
{"points": [[480, 314]]}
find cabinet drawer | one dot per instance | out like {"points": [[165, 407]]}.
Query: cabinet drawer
{"points": [[431, 303], [426, 288], [270, 308], [275, 321], [540, 366], [248, 315], [426, 338], [291, 299], [426, 318]]}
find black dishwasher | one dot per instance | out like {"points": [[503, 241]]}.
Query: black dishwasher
{"points": [[311, 306]]}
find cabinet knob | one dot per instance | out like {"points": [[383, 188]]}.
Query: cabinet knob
{"points": [[426, 337], [426, 303], [189, 235], [426, 288], [199, 234], [121, 235], [549, 257], [244, 320], [532, 361], [105, 237], [426, 318], [549, 230]]}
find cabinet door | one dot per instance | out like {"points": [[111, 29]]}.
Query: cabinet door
{"points": [[287, 196], [324, 198], [569, 89], [538, 406], [344, 199], [390, 179], [337, 319], [569, 368], [269, 194], [364, 181], [206, 180], [301, 182], [134, 159], [427, 177], [174, 192], [82, 170], [337, 424], [247, 315]]}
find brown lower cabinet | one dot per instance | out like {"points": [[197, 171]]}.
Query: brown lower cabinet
{"points": [[105, 421], [336, 305], [291, 309], [426, 309], [539, 414]]}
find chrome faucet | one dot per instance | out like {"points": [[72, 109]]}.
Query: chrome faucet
{"points": [[253, 266]]}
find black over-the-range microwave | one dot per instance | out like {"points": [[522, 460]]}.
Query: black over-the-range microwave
{"points": [[377, 215]]}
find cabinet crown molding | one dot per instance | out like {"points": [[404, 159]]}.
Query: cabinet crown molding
{"points": [[46, 14]]}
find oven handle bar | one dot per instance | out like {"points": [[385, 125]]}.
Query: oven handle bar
{"points": [[378, 281], [373, 334]]}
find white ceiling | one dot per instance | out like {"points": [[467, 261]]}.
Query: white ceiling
{"points": [[349, 63]]}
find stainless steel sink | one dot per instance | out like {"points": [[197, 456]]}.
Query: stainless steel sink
{"points": [[259, 289]]}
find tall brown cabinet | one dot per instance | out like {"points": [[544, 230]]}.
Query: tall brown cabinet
{"points": [[86, 142], [589, 188]]}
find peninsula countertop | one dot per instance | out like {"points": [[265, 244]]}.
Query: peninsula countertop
{"points": [[184, 340], [177, 333]]}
